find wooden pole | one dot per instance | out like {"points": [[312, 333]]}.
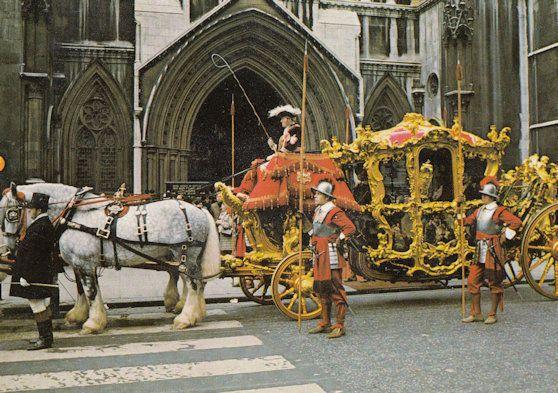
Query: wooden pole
{"points": [[232, 140], [460, 196], [347, 124], [301, 182]]}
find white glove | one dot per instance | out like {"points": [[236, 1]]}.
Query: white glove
{"points": [[23, 282], [509, 233], [272, 145]]}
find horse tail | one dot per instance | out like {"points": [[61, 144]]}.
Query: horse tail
{"points": [[211, 257]]}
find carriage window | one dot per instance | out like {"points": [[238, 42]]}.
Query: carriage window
{"points": [[436, 175], [474, 173], [438, 228], [401, 230], [359, 185], [396, 181]]}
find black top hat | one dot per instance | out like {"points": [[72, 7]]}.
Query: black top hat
{"points": [[39, 201]]}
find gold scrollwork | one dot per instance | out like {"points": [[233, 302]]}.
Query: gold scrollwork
{"points": [[373, 148]]}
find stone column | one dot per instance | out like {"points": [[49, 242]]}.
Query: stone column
{"points": [[365, 37], [34, 120], [138, 136], [392, 38], [411, 37], [524, 114]]}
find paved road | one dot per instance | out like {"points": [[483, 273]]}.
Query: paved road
{"points": [[397, 342]]}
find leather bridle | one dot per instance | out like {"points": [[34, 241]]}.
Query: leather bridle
{"points": [[15, 213]]}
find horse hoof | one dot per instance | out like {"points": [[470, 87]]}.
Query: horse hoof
{"points": [[86, 331], [70, 323], [180, 324], [91, 328]]}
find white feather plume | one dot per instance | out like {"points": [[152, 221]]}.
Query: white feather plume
{"points": [[285, 108]]}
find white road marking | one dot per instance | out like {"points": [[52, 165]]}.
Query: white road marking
{"points": [[128, 349], [307, 388], [216, 325], [147, 317], [162, 315], [119, 375]]}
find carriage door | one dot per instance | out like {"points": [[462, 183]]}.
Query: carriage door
{"points": [[437, 185]]}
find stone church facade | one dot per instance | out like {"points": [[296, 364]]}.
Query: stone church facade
{"points": [[100, 92]]}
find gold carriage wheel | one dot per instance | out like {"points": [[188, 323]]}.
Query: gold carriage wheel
{"points": [[539, 252], [256, 288], [284, 286]]}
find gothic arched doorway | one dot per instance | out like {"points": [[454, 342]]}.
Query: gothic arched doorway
{"points": [[210, 139], [259, 37]]}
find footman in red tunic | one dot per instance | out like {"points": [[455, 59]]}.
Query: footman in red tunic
{"points": [[331, 226]]}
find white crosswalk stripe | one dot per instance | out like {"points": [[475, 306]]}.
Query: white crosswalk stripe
{"points": [[215, 325], [173, 359], [306, 388], [129, 349], [119, 375]]}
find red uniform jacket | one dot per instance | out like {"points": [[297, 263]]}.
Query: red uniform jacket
{"points": [[337, 219], [501, 216]]}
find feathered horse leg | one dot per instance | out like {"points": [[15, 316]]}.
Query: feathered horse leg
{"points": [[192, 312], [97, 320], [80, 312], [201, 262], [180, 304], [171, 295]]}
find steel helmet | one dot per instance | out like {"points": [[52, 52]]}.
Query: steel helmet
{"points": [[326, 188], [490, 189]]}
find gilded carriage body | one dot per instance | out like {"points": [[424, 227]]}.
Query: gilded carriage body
{"points": [[404, 187], [413, 173]]}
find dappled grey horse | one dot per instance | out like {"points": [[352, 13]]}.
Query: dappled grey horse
{"points": [[177, 231]]}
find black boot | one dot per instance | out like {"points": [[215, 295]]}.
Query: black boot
{"points": [[44, 325], [55, 304]]}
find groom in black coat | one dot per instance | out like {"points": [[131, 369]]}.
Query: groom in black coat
{"points": [[34, 265]]}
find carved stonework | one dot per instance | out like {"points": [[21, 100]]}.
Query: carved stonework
{"points": [[451, 100], [433, 84], [417, 92], [458, 21], [96, 145], [382, 118], [34, 9]]}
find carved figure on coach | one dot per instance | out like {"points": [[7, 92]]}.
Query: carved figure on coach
{"points": [[494, 225], [330, 227], [289, 141], [34, 266]]}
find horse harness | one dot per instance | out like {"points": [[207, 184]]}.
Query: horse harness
{"points": [[107, 232]]}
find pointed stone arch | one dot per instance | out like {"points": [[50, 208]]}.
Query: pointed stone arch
{"points": [[386, 105], [95, 131], [250, 39]]}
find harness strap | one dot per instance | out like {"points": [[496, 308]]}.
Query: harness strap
{"points": [[102, 258], [113, 237], [188, 226], [144, 216], [189, 239], [139, 230], [141, 219]]}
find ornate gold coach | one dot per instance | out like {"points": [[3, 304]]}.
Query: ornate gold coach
{"points": [[407, 181]]}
